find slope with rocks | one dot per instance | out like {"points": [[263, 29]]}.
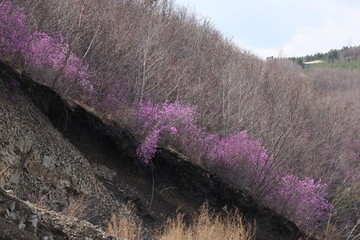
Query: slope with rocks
{"points": [[23, 220]]}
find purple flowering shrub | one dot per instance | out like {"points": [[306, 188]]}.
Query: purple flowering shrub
{"points": [[50, 54], [165, 121], [240, 152], [249, 165], [176, 123], [167, 115], [42, 52], [14, 34], [178, 127], [243, 161], [302, 200], [147, 150]]}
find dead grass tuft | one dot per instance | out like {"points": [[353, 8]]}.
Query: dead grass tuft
{"points": [[124, 225], [4, 175], [208, 226], [77, 207]]}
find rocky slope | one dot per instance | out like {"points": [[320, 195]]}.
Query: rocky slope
{"points": [[53, 151], [23, 220]]}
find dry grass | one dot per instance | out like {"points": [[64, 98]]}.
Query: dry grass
{"points": [[330, 232], [77, 207], [124, 225], [208, 226], [4, 175], [205, 226]]}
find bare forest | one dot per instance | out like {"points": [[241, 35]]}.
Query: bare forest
{"points": [[288, 136]]}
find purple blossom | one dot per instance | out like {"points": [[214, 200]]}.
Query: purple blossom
{"points": [[173, 131], [148, 148], [305, 199], [46, 52], [172, 119], [237, 153], [14, 34], [30, 196], [40, 50]]}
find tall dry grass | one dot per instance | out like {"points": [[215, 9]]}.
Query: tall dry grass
{"points": [[124, 225], [208, 226]]}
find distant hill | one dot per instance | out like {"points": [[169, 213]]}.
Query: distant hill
{"points": [[346, 58]]}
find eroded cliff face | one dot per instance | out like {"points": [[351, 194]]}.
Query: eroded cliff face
{"points": [[52, 153], [40, 166], [36, 159]]}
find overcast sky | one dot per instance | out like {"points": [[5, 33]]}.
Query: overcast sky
{"points": [[283, 28]]}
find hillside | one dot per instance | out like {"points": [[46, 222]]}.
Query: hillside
{"points": [[157, 109], [71, 153], [345, 58], [336, 72]]}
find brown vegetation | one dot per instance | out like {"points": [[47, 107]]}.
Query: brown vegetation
{"points": [[161, 53], [124, 225], [208, 226], [77, 207], [4, 174]]}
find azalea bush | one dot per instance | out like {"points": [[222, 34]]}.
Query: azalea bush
{"points": [[242, 160], [303, 200], [43, 53], [239, 152], [14, 34], [171, 121], [53, 55]]}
